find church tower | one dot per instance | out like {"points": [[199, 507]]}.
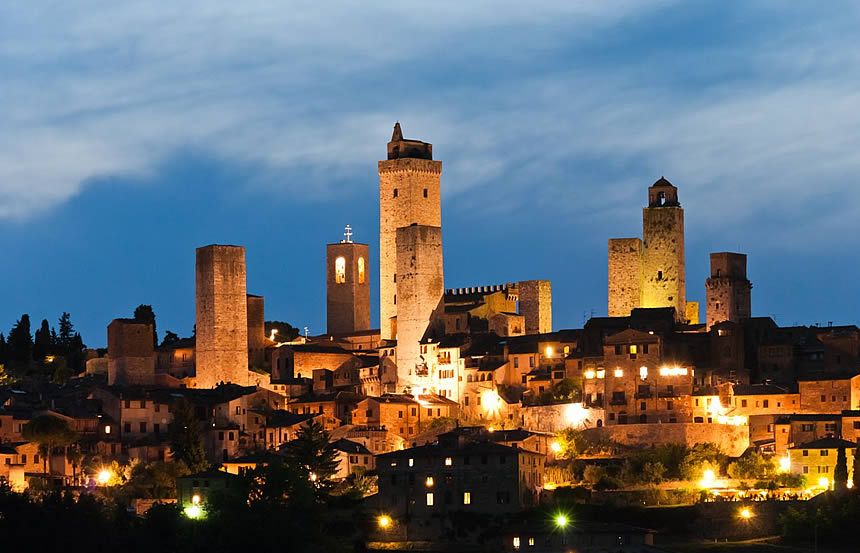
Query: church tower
{"points": [[728, 289], [347, 286], [663, 271], [409, 193]]}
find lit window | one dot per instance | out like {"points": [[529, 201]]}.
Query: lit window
{"points": [[589, 374], [548, 351], [107, 429], [633, 349], [619, 373], [531, 542], [411, 462], [448, 461], [361, 270], [467, 498], [429, 484], [339, 270], [430, 499], [601, 373], [643, 373], [516, 542]]}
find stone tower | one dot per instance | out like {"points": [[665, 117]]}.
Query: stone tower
{"points": [[651, 272], [409, 193], [347, 286], [728, 289], [663, 272], [420, 288], [221, 351], [131, 355], [257, 340], [536, 305]]}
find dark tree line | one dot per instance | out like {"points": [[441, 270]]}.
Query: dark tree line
{"points": [[57, 352]]}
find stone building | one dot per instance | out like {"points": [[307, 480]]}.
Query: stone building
{"points": [[536, 305], [728, 289], [347, 287], [409, 193], [221, 349], [650, 272], [257, 340], [131, 356]]}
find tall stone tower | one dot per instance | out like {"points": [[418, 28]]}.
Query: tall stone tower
{"points": [[663, 271], [409, 193], [347, 286], [420, 288], [536, 305], [221, 351], [728, 289], [651, 272]]}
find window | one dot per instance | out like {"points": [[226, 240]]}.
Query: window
{"points": [[467, 498], [806, 453], [765, 404], [669, 406], [743, 403], [340, 270], [516, 542], [642, 406], [411, 462], [807, 427], [659, 275], [824, 453], [425, 192], [430, 499], [448, 461], [395, 192], [143, 428], [126, 427], [805, 469], [516, 362], [632, 349], [361, 270]]}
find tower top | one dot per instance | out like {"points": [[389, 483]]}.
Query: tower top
{"points": [[399, 147], [347, 234], [663, 194]]}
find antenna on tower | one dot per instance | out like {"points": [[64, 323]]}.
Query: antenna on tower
{"points": [[347, 233]]}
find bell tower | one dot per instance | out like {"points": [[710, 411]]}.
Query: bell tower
{"points": [[347, 286], [663, 270]]}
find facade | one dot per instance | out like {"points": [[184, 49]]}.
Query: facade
{"points": [[221, 349], [536, 305], [347, 287], [816, 460], [651, 272], [131, 356], [409, 193], [728, 289]]}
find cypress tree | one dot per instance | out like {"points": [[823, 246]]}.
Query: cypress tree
{"points": [[42, 345], [20, 344], [145, 314], [840, 473]]}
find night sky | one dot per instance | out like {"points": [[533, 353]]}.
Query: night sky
{"points": [[133, 132]]}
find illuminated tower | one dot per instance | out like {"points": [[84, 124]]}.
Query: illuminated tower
{"points": [[347, 286], [221, 351], [409, 193], [728, 289], [663, 271]]}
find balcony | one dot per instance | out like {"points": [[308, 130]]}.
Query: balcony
{"points": [[643, 394], [618, 400]]}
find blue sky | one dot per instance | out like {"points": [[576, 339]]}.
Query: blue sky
{"points": [[132, 132]]}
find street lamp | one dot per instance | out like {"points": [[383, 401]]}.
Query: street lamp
{"points": [[746, 513], [383, 521], [561, 521], [104, 476]]}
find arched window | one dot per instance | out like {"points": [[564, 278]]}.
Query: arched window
{"points": [[339, 270], [361, 270]]}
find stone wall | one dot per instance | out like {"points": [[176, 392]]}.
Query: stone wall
{"points": [[257, 340], [409, 192], [625, 275], [732, 440], [222, 316], [558, 417], [536, 305], [348, 294]]}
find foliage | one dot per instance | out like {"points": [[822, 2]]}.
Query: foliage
{"points": [[50, 433], [855, 473], [558, 473], [790, 480], [145, 314], [593, 473], [572, 443], [607, 483], [840, 473], [312, 452], [286, 331], [170, 338], [699, 458], [751, 465], [20, 344], [566, 389], [155, 480], [186, 438], [653, 473], [832, 516]]}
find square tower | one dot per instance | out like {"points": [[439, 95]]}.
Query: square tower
{"points": [[409, 193], [536, 305], [221, 352], [347, 287], [257, 340], [728, 289], [625, 275], [663, 269], [131, 355], [420, 289]]}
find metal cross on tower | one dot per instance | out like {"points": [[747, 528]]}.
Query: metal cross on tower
{"points": [[347, 232]]}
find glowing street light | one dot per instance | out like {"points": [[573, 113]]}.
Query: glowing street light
{"points": [[745, 513], [555, 446], [708, 480], [561, 521], [784, 464], [193, 511], [383, 521], [104, 476], [824, 483], [575, 414]]}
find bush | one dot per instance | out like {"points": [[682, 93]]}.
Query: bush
{"points": [[607, 483], [593, 473], [699, 458], [751, 465]]}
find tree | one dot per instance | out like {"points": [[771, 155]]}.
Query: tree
{"points": [[170, 338], [50, 433], [69, 343], [3, 351], [312, 451], [699, 458], [567, 388], [144, 314], [840, 473], [855, 474], [751, 466], [653, 472], [285, 331], [20, 344], [42, 344], [185, 436]]}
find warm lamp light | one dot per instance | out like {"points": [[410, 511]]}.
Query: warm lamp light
{"points": [[561, 521], [555, 446], [104, 476], [708, 479], [383, 521], [745, 513]]}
